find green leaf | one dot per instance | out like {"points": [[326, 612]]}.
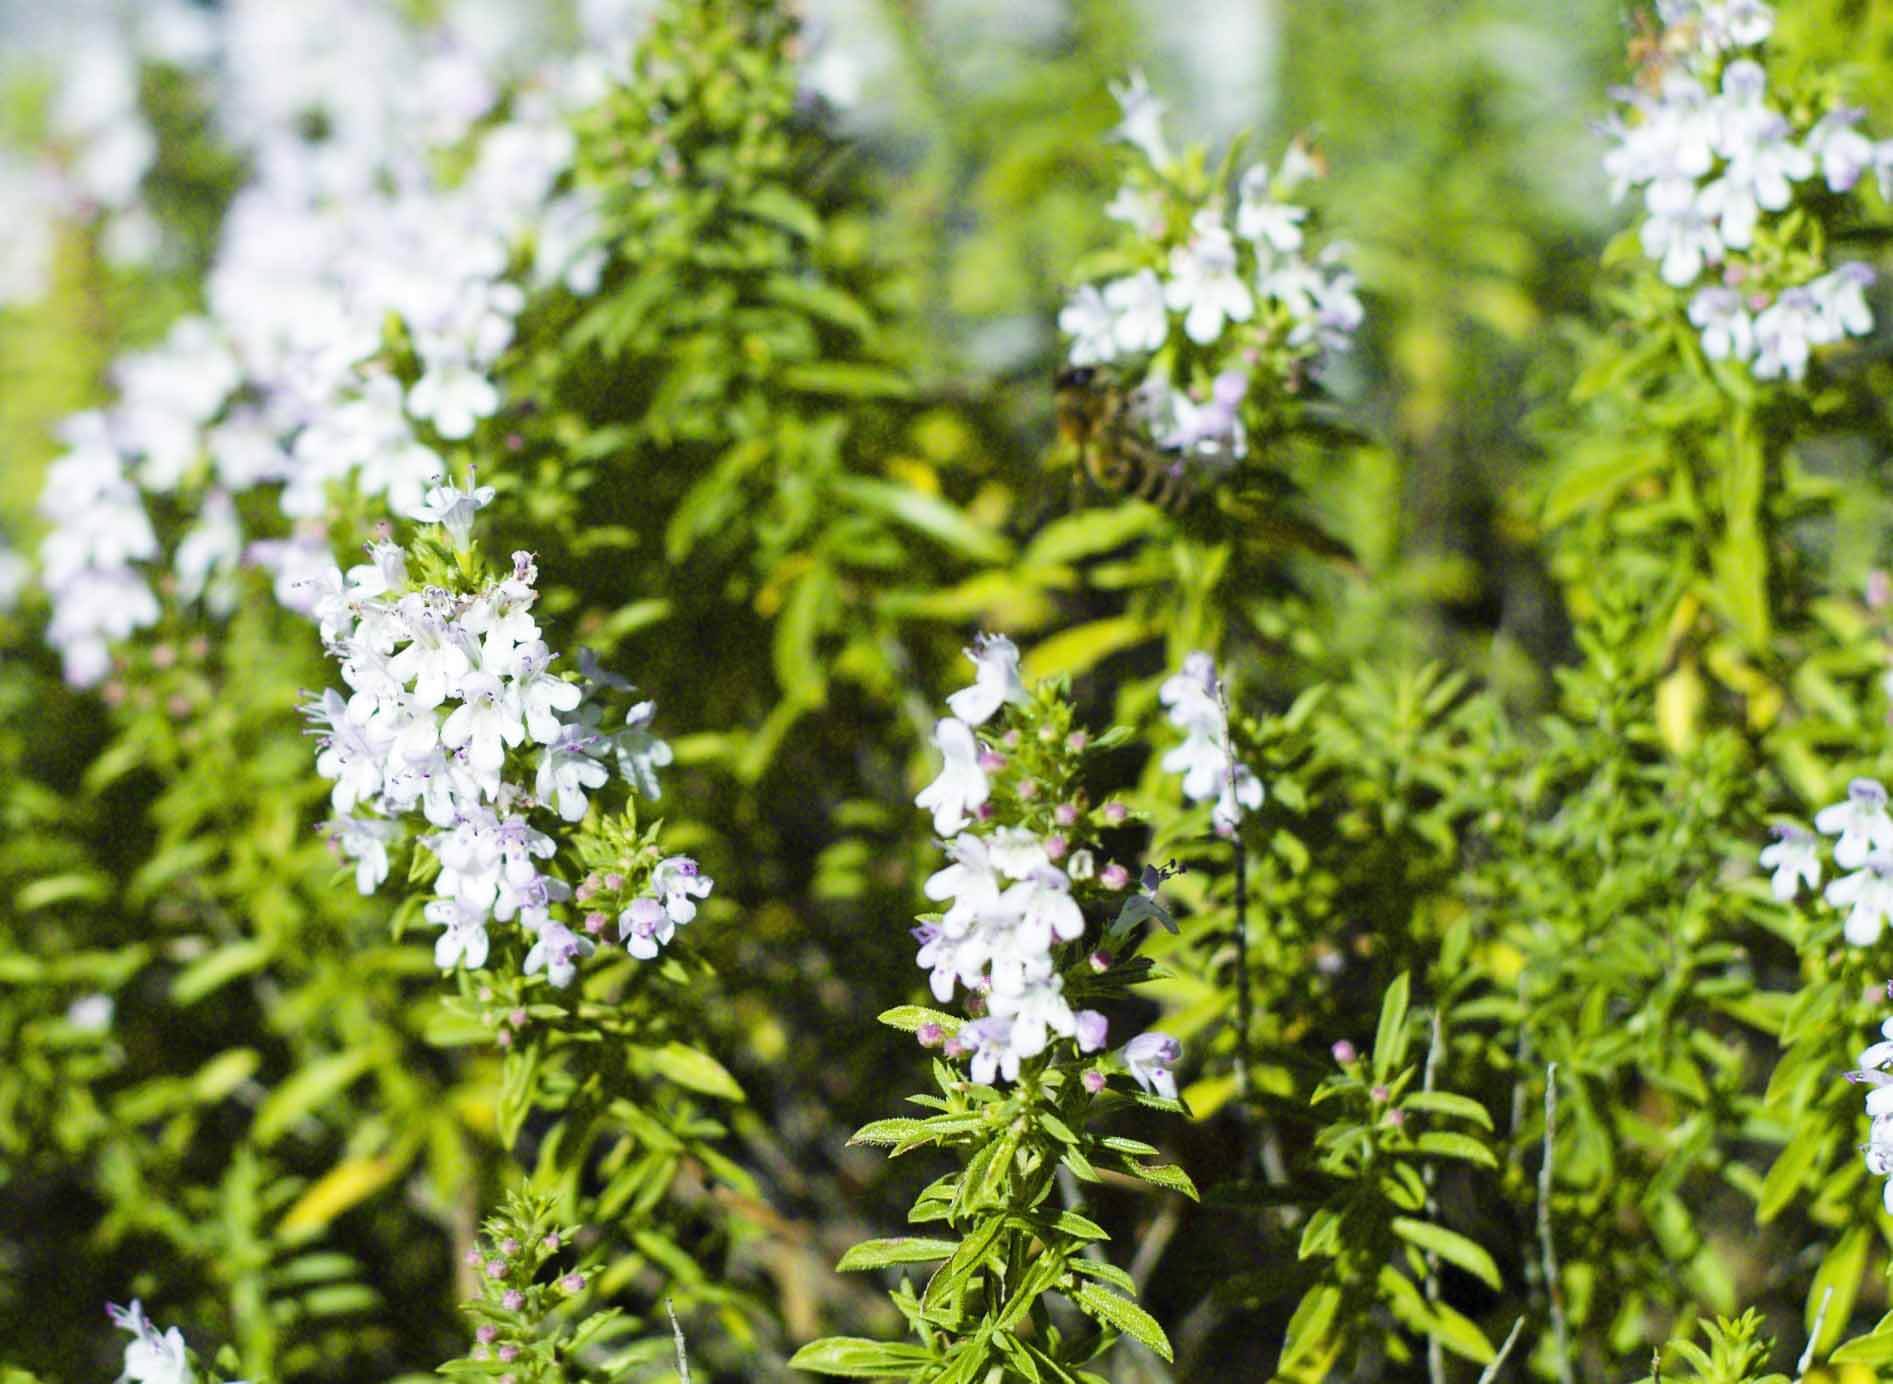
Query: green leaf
{"points": [[1842, 1269], [1460, 1335], [774, 203], [1390, 1038], [1083, 647], [1451, 1246], [928, 514], [1786, 1175], [854, 1357], [1121, 1314], [1875, 1348], [1308, 1329], [1581, 487], [911, 1018], [1448, 1103], [848, 381], [800, 671], [1165, 1175], [906, 1249], [697, 1070], [1087, 532], [1446, 1144], [315, 1084], [218, 969]]}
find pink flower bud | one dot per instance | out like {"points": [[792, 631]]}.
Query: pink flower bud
{"points": [[486, 1334], [509, 1247], [1379, 1094], [508, 1354], [1064, 814], [1093, 1080], [504, 1038], [930, 1035], [1115, 812], [573, 1283], [595, 922], [1076, 741], [1101, 960], [1114, 876], [163, 656], [551, 1242], [954, 1048], [1396, 1118], [1028, 790], [517, 1018], [513, 1300], [1343, 1052], [614, 881], [496, 1268], [586, 888], [991, 761], [473, 1259], [1055, 847]]}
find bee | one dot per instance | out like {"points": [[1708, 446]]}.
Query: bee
{"points": [[1107, 429]]}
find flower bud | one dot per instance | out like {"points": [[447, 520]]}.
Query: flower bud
{"points": [[472, 1259], [1114, 876], [1379, 1095], [508, 1354], [1076, 741], [991, 761], [517, 1018], [486, 1334], [1055, 847], [513, 1300], [930, 1035], [1343, 1051], [573, 1283], [1396, 1118], [1101, 960], [614, 881], [1028, 790], [595, 922], [1093, 1080], [1115, 812], [509, 1247], [1082, 867], [551, 1242], [1012, 739], [1064, 814], [496, 1268]]}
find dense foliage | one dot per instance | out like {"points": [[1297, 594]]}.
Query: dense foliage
{"points": [[945, 692]]}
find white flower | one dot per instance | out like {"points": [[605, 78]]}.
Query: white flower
{"points": [[1045, 908], [1680, 233], [1088, 320], [365, 841], [567, 769], [151, 1358], [455, 396], [1204, 285], [464, 942], [1867, 894], [990, 1041], [485, 723], [962, 786], [437, 659], [454, 508], [1142, 321], [1142, 125], [1727, 330], [1035, 1007], [1138, 208], [644, 927], [1149, 1058], [541, 696], [1017, 852], [557, 953], [678, 883], [1844, 152], [1785, 332], [1861, 821], [1241, 789], [1840, 296], [995, 680], [971, 881], [640, 754], [1261, 220]]}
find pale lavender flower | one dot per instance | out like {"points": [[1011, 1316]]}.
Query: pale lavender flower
{"points": [[1794, 860], [557, 953], [962, 786], [1149, 1057], [996, 680], [1860, 820]]}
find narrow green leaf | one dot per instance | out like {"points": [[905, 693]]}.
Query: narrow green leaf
{"points": [[1451, 1246], [1448, 1103], [878, 1254], [698, 1070], [1121, 1314], [218, 969], [1390, 1038], [853, 1357], [1446, 1144], [309, 1088]]}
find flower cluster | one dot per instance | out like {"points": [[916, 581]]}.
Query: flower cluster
{"points": [[152, 1357], [98, 147], [1864, 850], [295, 378], [1013, 930], [1194, 697], [1717, 155], [456, 715], [1211, 305], [519, 1248], [1876, 1070]]}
